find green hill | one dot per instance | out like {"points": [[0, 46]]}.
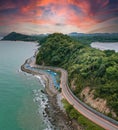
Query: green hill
{"points": [[86, 66], [17, 36], [13, 36]]}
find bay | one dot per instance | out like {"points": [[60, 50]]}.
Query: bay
{"points": [[105, 45]]}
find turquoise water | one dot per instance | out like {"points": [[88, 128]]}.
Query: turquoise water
{"points": [[55, 77], [18, 90]]}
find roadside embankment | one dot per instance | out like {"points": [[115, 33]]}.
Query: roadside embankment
{"points": [[61, 120]]}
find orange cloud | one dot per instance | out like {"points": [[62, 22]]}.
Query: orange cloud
{"points": [[80, 13], [47, 2]]}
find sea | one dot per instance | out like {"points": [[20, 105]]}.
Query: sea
{"points": [[105, 45], [22, 103]]}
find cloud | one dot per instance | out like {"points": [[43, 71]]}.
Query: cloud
{"points": [[82, 14], [109, 25], [90, 7]]}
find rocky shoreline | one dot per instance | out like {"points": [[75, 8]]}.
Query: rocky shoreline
{"points": [[57, 117]]}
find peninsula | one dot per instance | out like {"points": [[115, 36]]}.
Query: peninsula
{"points": [[57, 46]]}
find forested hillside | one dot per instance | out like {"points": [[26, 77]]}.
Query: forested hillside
{"points": [[13, 36], [95, 37], [86, 66]]}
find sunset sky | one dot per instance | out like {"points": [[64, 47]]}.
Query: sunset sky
{"points": [[48, 16]]}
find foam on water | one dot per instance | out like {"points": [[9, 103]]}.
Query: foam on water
{"points": [[42, 101], [41, 80]]}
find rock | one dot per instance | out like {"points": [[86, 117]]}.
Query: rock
{"points": [[46, 105], [43, 113], [43, 100], [70, 122], [42, 91]]}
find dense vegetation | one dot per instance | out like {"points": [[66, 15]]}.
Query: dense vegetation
{"points": [[13, 36], [84, 122], [86, 66], [79, 37], [95, 37]]}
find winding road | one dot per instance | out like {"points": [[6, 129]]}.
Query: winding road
{"points": [[105, 122], [82, 109]]}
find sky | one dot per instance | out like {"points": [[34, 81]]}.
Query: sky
{"points": [[65, 16]]}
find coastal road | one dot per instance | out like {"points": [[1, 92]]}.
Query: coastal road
{"points": [[79, 107], [67, 93]]}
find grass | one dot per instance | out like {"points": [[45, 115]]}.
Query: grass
{"points": [[83, 121]]}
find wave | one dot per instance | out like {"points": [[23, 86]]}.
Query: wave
{"points": [[42, 101], [40, 79]]}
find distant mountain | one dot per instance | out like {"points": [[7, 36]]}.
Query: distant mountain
{"points": [[92, 37], [1, 38], [13, 36], [76, 34], [81, 37], [92, 34]]}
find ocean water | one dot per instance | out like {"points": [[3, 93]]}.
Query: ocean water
{"points": [[21, 100], [105, 45]]}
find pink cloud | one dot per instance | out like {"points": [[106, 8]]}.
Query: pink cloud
{"points": [[43, 12]]}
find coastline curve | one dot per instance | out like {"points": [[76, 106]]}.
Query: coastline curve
{"points": [[84, 109]]}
